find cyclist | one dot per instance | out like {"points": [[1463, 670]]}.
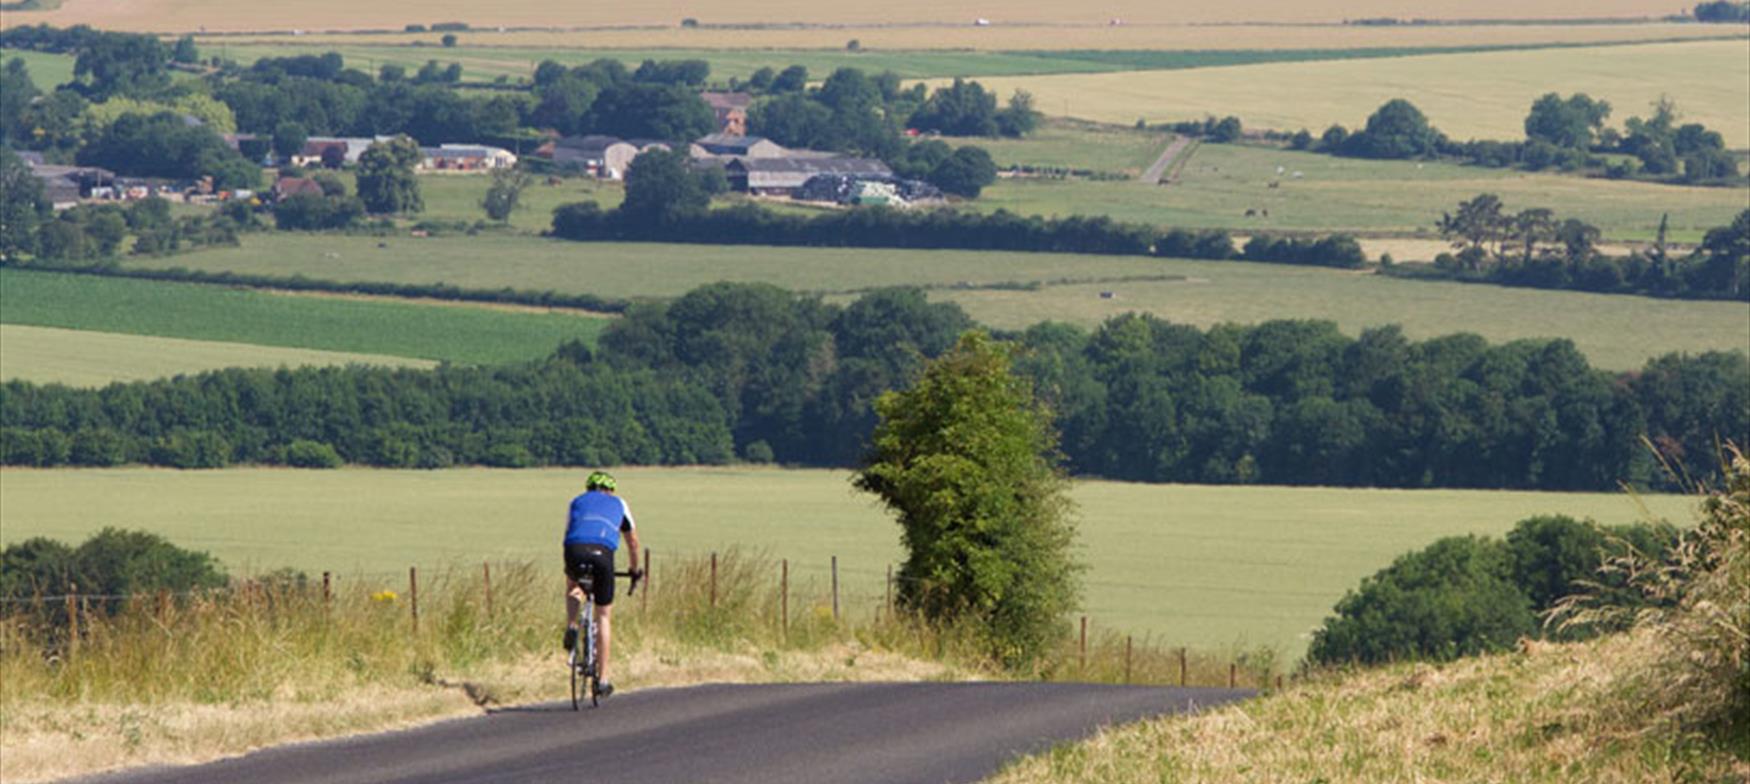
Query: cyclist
{"points": [[592, 534]]}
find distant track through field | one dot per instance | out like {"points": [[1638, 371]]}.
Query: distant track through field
{"points": [[847, 733]]}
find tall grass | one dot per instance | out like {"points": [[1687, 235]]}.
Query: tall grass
{"points": [[281, 639]]}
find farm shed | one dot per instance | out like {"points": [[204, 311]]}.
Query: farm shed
{"points": [[726, 145], [604, 156], [465, 157], [783, 176]]}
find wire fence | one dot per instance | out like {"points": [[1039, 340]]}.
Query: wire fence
{"points": [[804, 592]]}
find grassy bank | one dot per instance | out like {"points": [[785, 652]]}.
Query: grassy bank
{"points": [[1667, 700], [1549, 713]]}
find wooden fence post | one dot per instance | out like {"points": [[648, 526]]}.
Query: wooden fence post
{"points": [[1127, 639], [835, 588], [1279, 682], [1233, 675], [72, 619], [784, 598], [326, 590], [887, 602], [713, 578], [1083, 645], [486, 577], [413, 595], [1181, 665], [644, 598]]}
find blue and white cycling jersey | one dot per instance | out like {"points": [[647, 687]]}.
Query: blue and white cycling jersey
{"points": [[598, 518]]}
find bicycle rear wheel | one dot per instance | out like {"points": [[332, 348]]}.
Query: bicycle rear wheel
{"points": [[577, 680]]}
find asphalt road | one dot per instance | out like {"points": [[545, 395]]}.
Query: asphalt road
{"points": [[891, 732]]}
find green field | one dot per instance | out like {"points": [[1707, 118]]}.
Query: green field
{"points": [[1222, 181], [46, 70], [485, 62], [1074, 145], [1616, 332], [1202, 566], [1482, 95], [484, 56], [457, 197], [46, 355], [453, 333]]}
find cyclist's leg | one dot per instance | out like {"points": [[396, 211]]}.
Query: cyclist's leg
{"points": [[604, 615], [603, 559]]}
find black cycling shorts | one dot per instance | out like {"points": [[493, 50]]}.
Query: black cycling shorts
{"points": [[601, 559]]}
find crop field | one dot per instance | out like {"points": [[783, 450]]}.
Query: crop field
{"points": [[454, 333], [1616, 332], [46, 355], [1481, 95], [1202, 566], [1002, 36], [1222, 181], [219, 15]]}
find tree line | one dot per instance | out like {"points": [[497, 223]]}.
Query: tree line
{"points": [[1537, 248], [759, 373], [1568, 134]]}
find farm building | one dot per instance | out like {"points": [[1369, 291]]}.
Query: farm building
{"points": [[346, 150], [64, 186], [465, 157], [733, 146], [858, 189], [287, 187], [603, 156], [730, 109], [783, 176]]}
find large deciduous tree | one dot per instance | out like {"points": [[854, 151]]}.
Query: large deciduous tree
{"points": [[968, 460], [1571, 122], [386, 183]]}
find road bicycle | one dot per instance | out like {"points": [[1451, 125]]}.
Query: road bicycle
{"points": [[581, 658]]}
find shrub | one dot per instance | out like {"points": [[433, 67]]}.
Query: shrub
{"points": [[312, 454], [1454, 598], [112, 562]]}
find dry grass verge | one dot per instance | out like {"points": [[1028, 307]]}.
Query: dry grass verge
{"points": [[1549, 713], [1667, 701]]}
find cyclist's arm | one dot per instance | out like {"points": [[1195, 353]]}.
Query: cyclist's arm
{"points": [[630, 532]]}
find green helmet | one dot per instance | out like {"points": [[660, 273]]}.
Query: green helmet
{"points": [[600, 480]]}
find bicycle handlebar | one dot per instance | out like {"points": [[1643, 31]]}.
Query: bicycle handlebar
{"points": [[636, 576]]}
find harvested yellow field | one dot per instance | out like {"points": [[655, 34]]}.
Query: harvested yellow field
{"points": [[339, 14], [1478, 95], [1006, 37]]}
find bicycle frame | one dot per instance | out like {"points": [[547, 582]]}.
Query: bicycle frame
{"points": [[585, 676]]}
